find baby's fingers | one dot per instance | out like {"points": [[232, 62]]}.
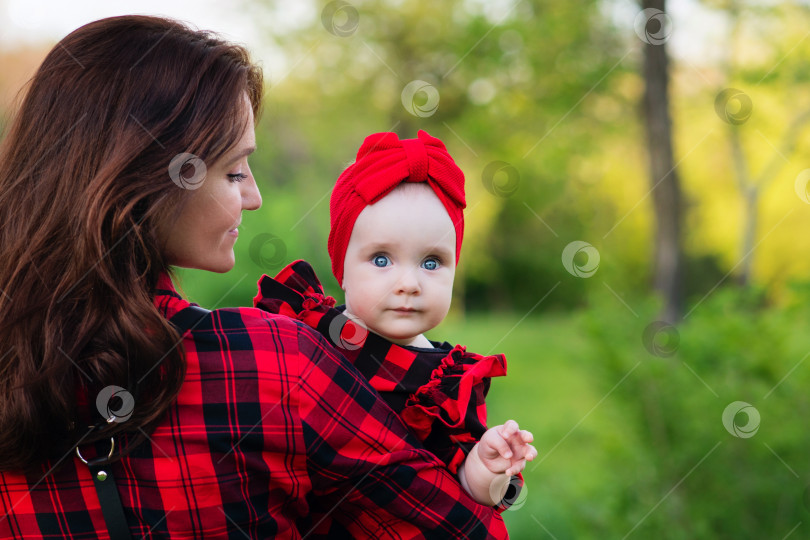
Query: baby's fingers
{"points": [[510, 427], [515, 468], [500, 445]]}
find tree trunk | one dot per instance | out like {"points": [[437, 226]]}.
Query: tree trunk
{"points": [[750, 194], [751, 188], [666, 191], [751, 201]]}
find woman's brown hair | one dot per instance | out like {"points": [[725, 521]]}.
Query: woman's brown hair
{"points": [[84, 181]]}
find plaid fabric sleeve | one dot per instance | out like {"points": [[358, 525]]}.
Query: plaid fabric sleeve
{"points": [[368, 472], [438, 393]]}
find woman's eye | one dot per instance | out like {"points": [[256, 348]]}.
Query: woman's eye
{"points": [[430, 264], [380, 261], [238, 177]]}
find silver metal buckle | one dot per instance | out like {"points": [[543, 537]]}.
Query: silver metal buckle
{"points": [[112, 448]]}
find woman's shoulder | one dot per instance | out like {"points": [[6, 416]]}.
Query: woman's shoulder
{"points": [[253, 336], [263, 335], [257, 328], [230, 320]]}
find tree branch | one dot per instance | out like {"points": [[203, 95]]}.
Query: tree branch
{"points": [[786, 147]]}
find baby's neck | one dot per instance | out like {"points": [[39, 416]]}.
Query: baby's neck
{"points": [[419, 341]]}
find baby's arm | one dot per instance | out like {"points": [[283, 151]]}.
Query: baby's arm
{"points": [[502, 452]]}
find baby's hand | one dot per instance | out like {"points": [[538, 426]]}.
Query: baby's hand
{"points": [[506, 449]]}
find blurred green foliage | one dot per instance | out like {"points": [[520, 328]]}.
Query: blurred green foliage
{"points": [[632, 445], [512, 98], [549, 90]]}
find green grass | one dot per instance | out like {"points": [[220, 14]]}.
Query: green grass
{"points": [[633, 445], [552, 389]]}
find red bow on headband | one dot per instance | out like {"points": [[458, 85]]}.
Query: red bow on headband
{"points": [[383, 162]]}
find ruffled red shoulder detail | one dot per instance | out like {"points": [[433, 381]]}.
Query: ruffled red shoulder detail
{"points": [[452, 401], [295, 292]]}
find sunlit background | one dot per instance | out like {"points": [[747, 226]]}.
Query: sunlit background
{"points": [[648, 426]]}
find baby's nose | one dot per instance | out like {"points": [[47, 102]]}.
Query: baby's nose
{"points": [[408, 283]]}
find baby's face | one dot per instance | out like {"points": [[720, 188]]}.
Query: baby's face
{"points": [[400, 264]]}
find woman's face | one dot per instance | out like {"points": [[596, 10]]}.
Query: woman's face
{"points": [[206, 229]]}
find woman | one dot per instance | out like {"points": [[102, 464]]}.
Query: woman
{"points": [[127, 157]]}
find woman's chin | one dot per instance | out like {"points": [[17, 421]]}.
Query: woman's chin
{"points": [[220, 265], [224, 267]]}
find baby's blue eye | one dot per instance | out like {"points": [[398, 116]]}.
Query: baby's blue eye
{"points": [[380, 261], [430, 264]]}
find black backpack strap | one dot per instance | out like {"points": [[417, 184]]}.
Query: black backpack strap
{"points": [[189, 318], [107, 491], [100, 468], [111, 506]]}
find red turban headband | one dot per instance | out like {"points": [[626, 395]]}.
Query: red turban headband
{"points": [[384, 162]]}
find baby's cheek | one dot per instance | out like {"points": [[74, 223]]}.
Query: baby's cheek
{"points": [[361, 305], [447, 299]]}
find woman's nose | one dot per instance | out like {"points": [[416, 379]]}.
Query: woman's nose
{"points": [[251, 198]]}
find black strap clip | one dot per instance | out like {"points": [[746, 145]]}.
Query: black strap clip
{"points": [[108, 497]]}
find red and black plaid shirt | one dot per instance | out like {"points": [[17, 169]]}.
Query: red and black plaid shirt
{"points": [[438, 392], [271, 427]]}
